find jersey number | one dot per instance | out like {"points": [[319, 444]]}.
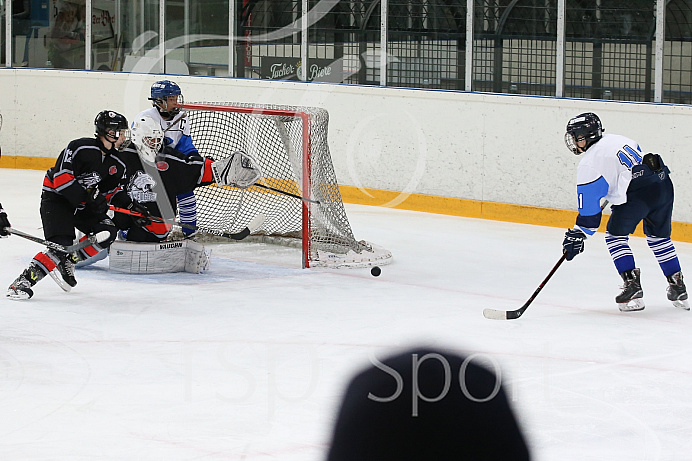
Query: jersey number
{"points": [[629, 157]]}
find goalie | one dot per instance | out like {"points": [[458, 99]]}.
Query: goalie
{"points": [[156, 175]]}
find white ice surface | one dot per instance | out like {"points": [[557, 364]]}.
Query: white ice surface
{"points": [[249, 361]]}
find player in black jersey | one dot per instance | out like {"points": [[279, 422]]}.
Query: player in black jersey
{"points": [[4, 222], [76, 191]]}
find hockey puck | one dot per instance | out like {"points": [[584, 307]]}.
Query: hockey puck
{"points": [[375, 271]]}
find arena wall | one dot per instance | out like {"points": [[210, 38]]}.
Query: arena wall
{"points": [[481, 155]]}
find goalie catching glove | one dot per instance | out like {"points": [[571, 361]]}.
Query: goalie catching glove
{"points": [[240, 170]]}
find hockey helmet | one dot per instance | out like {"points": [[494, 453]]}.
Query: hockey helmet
{"points": [[161, 91], [147, 136], [109, 124], [586, 126]]}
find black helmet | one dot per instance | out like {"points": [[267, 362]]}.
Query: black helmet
{"points": [[584, 126], [108, 123]]}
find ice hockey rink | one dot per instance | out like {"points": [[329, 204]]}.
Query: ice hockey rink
{"points": [[249, 361]]}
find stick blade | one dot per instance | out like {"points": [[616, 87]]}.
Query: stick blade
{"points": [[495, 314], [256, 222]]}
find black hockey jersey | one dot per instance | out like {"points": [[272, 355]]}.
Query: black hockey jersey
{"points": [[156, 187], [81, 166]]}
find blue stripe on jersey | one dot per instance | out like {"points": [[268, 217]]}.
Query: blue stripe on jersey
{"points": [[589, 224], [590, 196], [185, 145]]}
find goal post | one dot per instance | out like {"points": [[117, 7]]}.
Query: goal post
{"points": [[290, 144]]}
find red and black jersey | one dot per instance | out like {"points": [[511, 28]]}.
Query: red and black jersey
{"points": [[83, 165], [156, 186]]}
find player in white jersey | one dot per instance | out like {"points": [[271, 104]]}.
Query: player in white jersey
{"points": [[639, 189], [167, 100]]}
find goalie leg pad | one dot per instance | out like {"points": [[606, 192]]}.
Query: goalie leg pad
{"points": [[158, 258]]}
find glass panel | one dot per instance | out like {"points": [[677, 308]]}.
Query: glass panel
{"points": [[515, 46], [65, 40], [344, 44], [2, 32], [609, 49], [677, 52], [133, 47], [30, 25], [426, 44], [104, 34], [197, 37], [268, 36]]}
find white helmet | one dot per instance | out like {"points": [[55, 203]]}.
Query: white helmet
{"points": [[147, 136]]}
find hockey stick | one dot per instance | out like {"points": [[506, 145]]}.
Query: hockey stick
{"points": [[249, 229], [182, 116], [98, 238], [287, 193], [495, 314]]}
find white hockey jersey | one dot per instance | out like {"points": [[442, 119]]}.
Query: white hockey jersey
{"points": [[177, 130], [605, 171]]}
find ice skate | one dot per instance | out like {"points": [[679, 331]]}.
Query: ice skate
{"points": [[63, 274], [20, 289], [677, 292], [631, 298]]}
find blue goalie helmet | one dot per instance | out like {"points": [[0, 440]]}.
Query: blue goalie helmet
{"points": [[161, 91], [586, 126]]}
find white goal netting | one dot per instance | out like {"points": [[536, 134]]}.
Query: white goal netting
{"points": [[291, 146]]}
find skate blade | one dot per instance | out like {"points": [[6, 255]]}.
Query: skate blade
{"points": [[17, 295], [633, 305], [55, 275], [682, 304]]}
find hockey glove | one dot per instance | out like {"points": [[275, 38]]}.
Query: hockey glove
{"points": [[4, 222], [573, 243], [141, 221], [96, 203]]}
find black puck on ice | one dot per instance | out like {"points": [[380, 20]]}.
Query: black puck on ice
{"points": [[375, 271]]}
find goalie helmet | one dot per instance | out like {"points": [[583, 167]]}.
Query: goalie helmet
{"points": [[109, 124], [161, 91], [586, 126], [147, 136]]}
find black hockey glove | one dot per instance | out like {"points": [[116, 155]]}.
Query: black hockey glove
{"points": [[573, 243], [96, 203], [141, 221], [4, 222]]}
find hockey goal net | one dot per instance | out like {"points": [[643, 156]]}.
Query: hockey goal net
{"points": [[290, 144]]}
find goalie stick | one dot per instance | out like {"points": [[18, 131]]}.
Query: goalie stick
{"points": [[287, 193], [98, 238], [496, 314], [251, 227]]}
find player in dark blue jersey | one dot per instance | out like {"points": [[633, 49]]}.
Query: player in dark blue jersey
{"points": [[76, 191], [639, 188], [167, 100]]}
